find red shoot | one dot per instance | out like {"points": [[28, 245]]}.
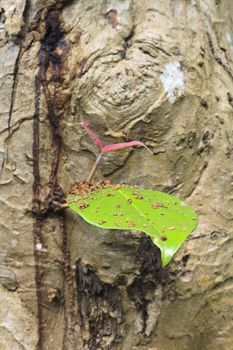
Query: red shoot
{"points": [[94, 137], [112, 147]]}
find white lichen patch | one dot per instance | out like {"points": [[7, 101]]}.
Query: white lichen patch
{"points": [[2, 27], [228, 38], [14, 242], [173, 80], [39, 246]]}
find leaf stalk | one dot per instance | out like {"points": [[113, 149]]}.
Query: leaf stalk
{"points": [[93, 170]]}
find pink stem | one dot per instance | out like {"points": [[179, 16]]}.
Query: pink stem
{"points": [[116, 146], [94, 137]]}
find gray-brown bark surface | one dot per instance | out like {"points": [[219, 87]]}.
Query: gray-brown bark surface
{"points": [[156, 71]]}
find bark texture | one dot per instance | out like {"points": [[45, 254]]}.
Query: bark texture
{"points": [[157, 71]]}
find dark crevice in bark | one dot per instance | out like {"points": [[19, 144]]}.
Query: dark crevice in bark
{"points": [[14, 87], [49, 81], [230, 99], [208, 24], [14, 127], [151, 275], [196, 182], [38, 239], [99, 309], [38, 219], [147, 51], [127, 43], [68, 284], [18, 40], [217, 58]]}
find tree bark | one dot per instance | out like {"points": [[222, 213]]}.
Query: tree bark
{"points": [[156, 71]]}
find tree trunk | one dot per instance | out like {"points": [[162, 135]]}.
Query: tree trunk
{"points": [[156, 71]]}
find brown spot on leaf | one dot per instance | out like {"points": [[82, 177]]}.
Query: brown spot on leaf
{"points": [[155, 205], [129, 201], [161, 205], [163, 238], [117, 205], [139, 196], [101, 222], [131, 224], [85, 188], [83, 205]]}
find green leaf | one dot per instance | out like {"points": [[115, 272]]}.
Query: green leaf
{"points": [[165, 218]]}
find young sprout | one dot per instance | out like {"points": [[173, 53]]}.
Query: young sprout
{"points": [[163, 217], [107, 148]]}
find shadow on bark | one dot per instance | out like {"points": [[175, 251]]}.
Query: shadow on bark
{"points": [[106, 310]]}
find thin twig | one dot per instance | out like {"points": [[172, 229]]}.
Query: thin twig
{"points": [[93, 170]]}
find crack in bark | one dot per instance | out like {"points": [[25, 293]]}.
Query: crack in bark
{"points": [[20, 39], [146, 50], [14, 127], [201, 172], [99, 308], [20, 346], [207, 22], [68, 282], [217, 58], [51, 61], [151, 275], [14, 86]]}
